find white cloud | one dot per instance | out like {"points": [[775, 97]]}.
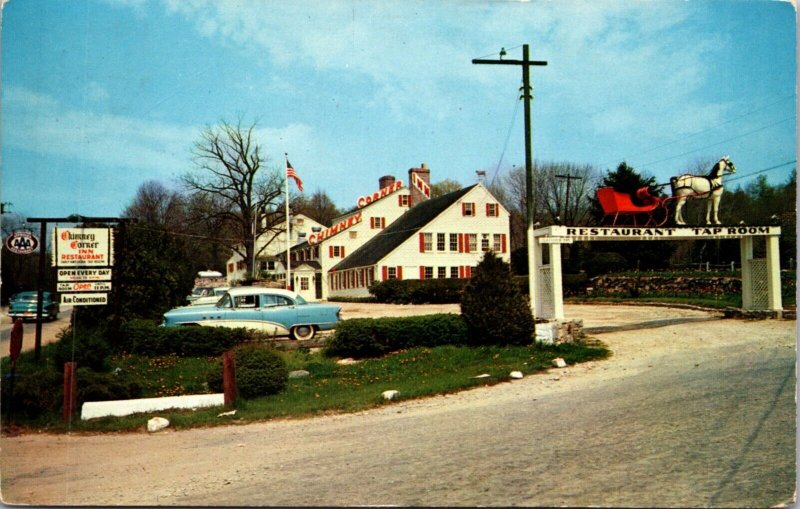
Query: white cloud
{"points": [[114, 142]]}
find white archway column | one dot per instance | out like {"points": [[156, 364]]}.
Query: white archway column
{"points": [[774, 273], [745, 255], [555, 274]]}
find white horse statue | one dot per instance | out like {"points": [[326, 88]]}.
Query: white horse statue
{"points": [[694, 186]]}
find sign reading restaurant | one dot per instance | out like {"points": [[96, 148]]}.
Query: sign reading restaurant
{"points": [[580, 233], [80, 247]]}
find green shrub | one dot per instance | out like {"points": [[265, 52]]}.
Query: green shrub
{"points": [[259, 372], [415, 291], [602, 262], [144, 337], [373, 337], [37, 390], [493, 308], [94, 386], [88, 348]]}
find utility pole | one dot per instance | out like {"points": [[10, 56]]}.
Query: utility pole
{"points": [[569, 178], [526, 64]]}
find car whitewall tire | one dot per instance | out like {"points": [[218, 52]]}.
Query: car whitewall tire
{"points": [[303, 332]]}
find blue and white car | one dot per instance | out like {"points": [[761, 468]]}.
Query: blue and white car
{"points": [[273, 311]]}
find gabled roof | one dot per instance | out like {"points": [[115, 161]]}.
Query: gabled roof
{"points": [[401, 230]]}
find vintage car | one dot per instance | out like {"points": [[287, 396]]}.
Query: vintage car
{"points": [[273, 311], [23, 305], [211, 298]]}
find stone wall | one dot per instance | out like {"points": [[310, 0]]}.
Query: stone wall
{"points": [[630, 285]]}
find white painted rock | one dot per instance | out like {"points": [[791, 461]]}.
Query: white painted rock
{"points": [[300, 373], [389, 395], [347, 361], [157, 424], [227, 414], [559, 362], [516, 374], [485, 375]]}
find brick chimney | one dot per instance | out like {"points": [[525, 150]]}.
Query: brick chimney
{"points": [[385, 181], [419, 182]]}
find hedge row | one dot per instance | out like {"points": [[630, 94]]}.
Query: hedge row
{"points": [[373, 337], [415, 291], [144, 337]]}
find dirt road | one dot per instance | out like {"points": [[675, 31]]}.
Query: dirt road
{"points": [[693, 414]]}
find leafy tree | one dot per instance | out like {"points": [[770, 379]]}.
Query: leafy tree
{"points": [[444, 186], [494, 308], [318, 207]]}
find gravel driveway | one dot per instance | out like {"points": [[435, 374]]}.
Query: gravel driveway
{"points": [[692, 414]]}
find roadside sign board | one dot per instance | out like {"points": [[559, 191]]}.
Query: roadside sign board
{"points": [[85, 299], [81, 247], [82, 274], [85, 286], [22, 242]]}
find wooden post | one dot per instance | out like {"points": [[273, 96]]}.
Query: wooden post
{"points": [[70, 390], [229, 378]]}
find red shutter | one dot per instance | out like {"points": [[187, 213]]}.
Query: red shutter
{"points": [[488, 213], [330, 251], [468, 271], [421, 242], [461, 272], [460, 243], [341, 251], [463, 209], [466, 242], [503, 243], [399, 272], [421, 272], [385, 273]]}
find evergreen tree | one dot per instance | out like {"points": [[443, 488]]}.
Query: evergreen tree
{"points": [[493, 306]]}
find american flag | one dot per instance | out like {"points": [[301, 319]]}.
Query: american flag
{"points": [[291, 173]]}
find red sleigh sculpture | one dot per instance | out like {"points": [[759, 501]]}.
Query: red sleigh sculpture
{"points": [[618, 205]]}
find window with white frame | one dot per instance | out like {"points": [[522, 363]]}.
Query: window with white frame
{"points": [[441, 272], [492, 210], [453, 242], [391, 273], [454, 272], [428, 241], [467, 209], [304, 283], [428, 272], [440, 242], [484, 242], [473, 242], [377, 223], [497, 243]]}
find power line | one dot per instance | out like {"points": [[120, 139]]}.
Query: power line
{"points": [[508, 137], [718, 143], [689, 135]]}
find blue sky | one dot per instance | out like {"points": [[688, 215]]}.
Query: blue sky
{"points": [[99, 96]]}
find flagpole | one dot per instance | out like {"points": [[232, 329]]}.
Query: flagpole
{"points": [[288, 228]]}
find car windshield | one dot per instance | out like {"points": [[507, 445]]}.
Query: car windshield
{"points": [[300, 300], [225, 301], [29, 297], [199, 291]]}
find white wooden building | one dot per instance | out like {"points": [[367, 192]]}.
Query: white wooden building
{"points": [[395, 232]]}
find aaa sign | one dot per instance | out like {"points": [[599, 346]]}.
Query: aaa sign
{"points": [[22, 242]]}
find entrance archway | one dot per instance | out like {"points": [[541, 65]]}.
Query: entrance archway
{"points": [[761, 280]]}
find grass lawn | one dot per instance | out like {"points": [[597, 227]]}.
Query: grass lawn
{"points": [[331, 387]]}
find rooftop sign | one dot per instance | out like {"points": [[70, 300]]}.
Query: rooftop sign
{"points": [[314, 238], [363, 201]]}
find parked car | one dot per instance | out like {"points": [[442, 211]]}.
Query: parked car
{"points": [[212, 297], [199, 292], [23, 305], [273, 311]]}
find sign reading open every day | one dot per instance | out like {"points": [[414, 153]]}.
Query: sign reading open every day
{"points": [[78, 247], [85, 299], [85, 286], [84, 274]]}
